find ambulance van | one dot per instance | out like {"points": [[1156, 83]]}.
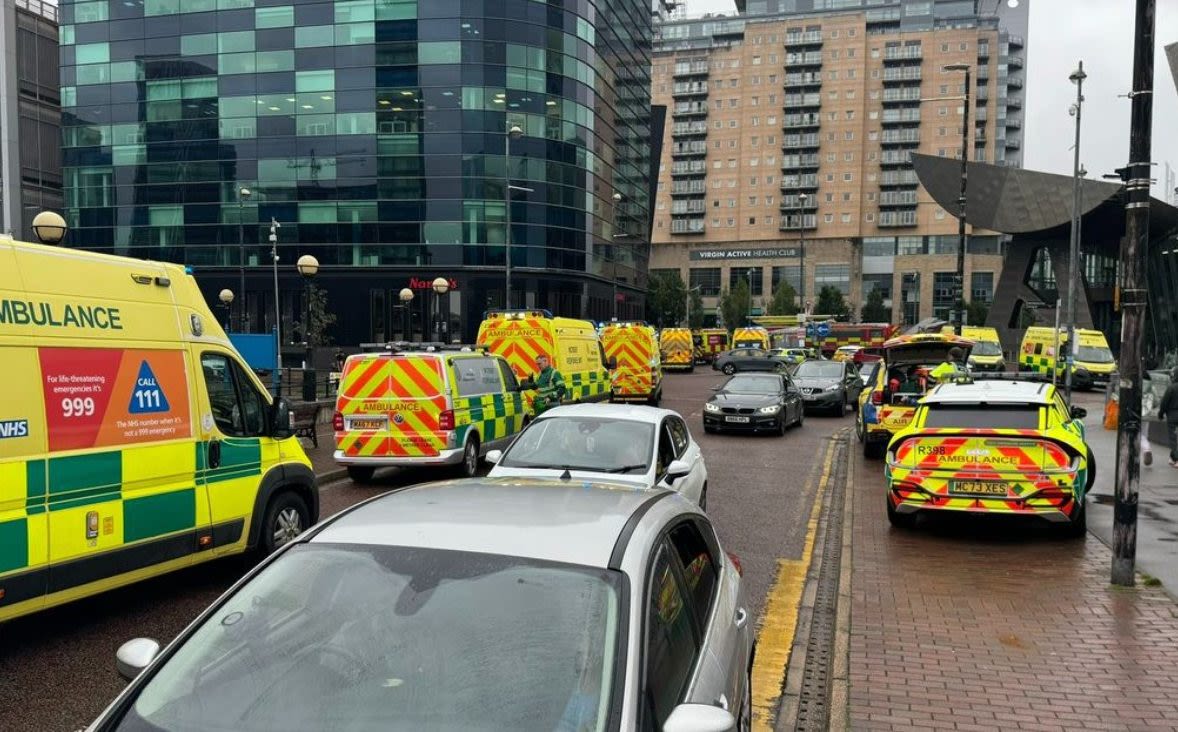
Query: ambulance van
{"points": [[677, 349], [751, 338], [1095, 364], [133, 438], [572, 346], [633, 355]]}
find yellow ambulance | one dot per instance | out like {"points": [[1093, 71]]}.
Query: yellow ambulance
{"points": [[677, 349], [633, 355], [572, 346], [1095, 364], [987, 347], [751, 338], [133, 438]]}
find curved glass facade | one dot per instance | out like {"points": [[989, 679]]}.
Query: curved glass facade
{"points": [[374, 132]]}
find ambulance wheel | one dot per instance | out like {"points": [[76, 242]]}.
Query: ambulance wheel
{"points": [[729, 369], [873, 450], [286, 517], [360, 473], [897, 519], [1091, 479], [1077, 527], [469, 467]]}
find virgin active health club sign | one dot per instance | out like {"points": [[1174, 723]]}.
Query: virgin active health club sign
{"points": [[705, 255]]}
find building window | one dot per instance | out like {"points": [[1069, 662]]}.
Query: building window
{"points": [[754, 276], [834, 275], [790, 274], [881, 282], [944, 293], [981, 287], [707, 279], [911, 244], [943, 244]]}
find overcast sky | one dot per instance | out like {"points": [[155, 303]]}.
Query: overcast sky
{"points": [[1101, 33]]}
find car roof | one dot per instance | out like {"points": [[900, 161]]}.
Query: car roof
{"points": [[629, 412], [574, 522], [992, 391]]}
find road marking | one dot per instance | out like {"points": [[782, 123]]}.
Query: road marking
{"points": [[775, 634]]}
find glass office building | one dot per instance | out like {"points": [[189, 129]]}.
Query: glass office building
{"points": [[375, 133]]}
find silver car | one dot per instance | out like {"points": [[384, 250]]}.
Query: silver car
{"points": [[481, 604]]}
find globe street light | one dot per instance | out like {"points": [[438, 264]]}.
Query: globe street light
{"points": [[49, 227], [406, 296], [308, 267], [440, 287], [243, 195], [226, 298], [1076, 77], [513, 133]]}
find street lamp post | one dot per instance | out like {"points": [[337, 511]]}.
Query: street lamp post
{"points": [[440, 287], [243, 195], [1076, 77], [613, 256], [802, 247], [513, 133], [959, 315], [308, 267], [274, 227], [406, 296], [749, 276], [226, 298]]}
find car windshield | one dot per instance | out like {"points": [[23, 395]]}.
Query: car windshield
{"points": [[1094, 354], [819, 370], [582, 443], [986, 348], [983, 416], [866, 369], [752, 384], [359, 638]]}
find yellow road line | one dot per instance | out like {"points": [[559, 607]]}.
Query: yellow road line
{"points": [[775, 635]]}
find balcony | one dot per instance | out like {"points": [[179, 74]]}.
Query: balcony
{"points": [[903, 53], [1014, 102], [800, 142], [793, 101], [983, 93], [792, 163], [802, 79], [693, 68], [900, 116], [688, 167], [798, 222], [1014, 123], [809, 58], [809, 38], [687, 149], [796, 121], [894, 96], [1015, 62], [981, 114], [799, 181], [1013, 143], [898, 178], [690, 109], [689, 89], [901, 74], [695, 207], [1014, 82], [900, 137], [687, 226], [897, 198], [689, 187], [888, 219], [979, 135], [1015, 42], [799, 203], [895, 157], [983, 51], [686, 129]]}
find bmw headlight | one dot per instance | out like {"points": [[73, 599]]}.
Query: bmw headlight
{"points": [[709, 407], [770, 410]]}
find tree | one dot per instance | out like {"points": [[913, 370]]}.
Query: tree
{"points": [[667, 301], [695, 317], [735, 304], [831, 302], [976, 312], [784, 300], [321, 318], [874, 311]]}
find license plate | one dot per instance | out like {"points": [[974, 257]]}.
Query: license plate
{"points": [[367, 424], [979, 488], [736, 419]]}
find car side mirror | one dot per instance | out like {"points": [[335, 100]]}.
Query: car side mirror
{"points": [[699, 718], [527, 385], [134, 655], [676, 470], [281, 419], [1079, 412], [494, 456]]}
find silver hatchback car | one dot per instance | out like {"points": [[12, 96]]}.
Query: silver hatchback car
{"points": [[482, 604]]}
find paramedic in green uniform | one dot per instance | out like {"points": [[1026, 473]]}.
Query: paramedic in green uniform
{"points": [[549, 385]]}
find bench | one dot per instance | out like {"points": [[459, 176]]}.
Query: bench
{"points": [[305, 420]]}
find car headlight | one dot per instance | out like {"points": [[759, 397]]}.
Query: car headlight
{"points": [[709, 407], [770, 410]]}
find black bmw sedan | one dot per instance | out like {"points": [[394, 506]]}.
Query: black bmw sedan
{"points": [[754, 402]]}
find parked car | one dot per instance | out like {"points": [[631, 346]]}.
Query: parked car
{"points": [[845, 353], [483, 604], [748, 359], [866, 371], [754, 402], [792, 356], [829, 385], [644, 446]]}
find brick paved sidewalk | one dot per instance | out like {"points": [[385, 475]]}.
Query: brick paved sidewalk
{"points": [[971, 625]]}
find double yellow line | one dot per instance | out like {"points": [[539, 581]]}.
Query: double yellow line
{"points": [[775, 634]]}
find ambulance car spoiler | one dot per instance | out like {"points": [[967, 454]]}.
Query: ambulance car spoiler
{"points": [[525, 313], [427, 347]]}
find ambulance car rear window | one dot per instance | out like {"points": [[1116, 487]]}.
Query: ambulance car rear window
{"points": [[983, 416]]}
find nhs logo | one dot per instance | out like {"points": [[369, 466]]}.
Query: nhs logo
{"points": [[14, 428]]}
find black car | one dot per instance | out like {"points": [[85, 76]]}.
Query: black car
{"points": [[754, 402], [748, 359], [829, 385]]}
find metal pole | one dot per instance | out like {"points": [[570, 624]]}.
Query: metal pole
{"points": [[507, 216], [1133, 300], [241, 260], [802, 250], [1055, 345], [277, 308], [307, 326], [961, 240], [1078, 77]]}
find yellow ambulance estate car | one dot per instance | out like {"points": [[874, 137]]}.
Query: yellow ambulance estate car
{"points": [[133, 439], [993, 446], [572, 346], [636, 373], [677, 349], [1095, 364], [887, 403]]}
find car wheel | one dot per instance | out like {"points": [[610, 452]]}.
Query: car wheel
{"points": [[782, 426], [897, 519], [1091, 478], [1077, 527], [286, 517], [360, 473], [729, 369], [873, 450], [469, 467], [745, 722], [801, 415], [703, 498]]}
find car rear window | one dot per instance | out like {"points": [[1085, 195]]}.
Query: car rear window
{"points": [[983, 416]]}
